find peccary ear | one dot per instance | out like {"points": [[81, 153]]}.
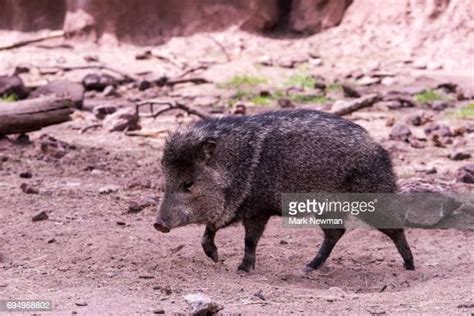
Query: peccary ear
{"points": [[208, 148]]}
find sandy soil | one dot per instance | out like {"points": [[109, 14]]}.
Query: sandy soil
{"points": [[91, 250]]}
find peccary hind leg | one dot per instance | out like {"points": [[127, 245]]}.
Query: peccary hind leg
{"points": [[208, 244], [331, 237], [253, 231], [398, 238]]}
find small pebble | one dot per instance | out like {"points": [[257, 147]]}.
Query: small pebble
{"points": [[26, 175], [41, 216]]}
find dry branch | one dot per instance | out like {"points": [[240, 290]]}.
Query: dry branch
{"points": [[85, 129], [164, 81], [222, 47], [171, 60], [193, 69], [125, 76], [171, 105], [147, 133], [33, 114], [52, 35], [358, 104]]}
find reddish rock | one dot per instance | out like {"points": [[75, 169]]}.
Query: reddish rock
{"points": [[312, 16]]}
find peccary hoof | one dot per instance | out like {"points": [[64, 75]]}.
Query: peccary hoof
{"points": [[243, 268], [246, 267], [211, 252], [409, 266], [308, 269]]}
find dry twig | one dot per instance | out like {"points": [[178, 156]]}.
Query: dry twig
{"points": [[52, 35], [169, 82], [171, 105], [126, 77], [222, 47]]}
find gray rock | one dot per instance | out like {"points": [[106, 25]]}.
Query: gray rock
{"points": [[368, 81], [392, 105], [315, 61], [339, 104], [356, 74], [417, 142], [41, 216], [438, 105], [400, 132], [388, 81], [448, 87], [433, 65], [416, 119], [62, 88], [28, 189], [291, 61], [13, 85], [26, 175], [144, 85], [265, 60], [350, 92], [138, 206], [438, 129], [53, 147], [420, 64], [101, 111], [124, 119], [201, 304], [465, 174], [459, 155], [91, 104], [144, 55], [98, 82], [108, 189]]}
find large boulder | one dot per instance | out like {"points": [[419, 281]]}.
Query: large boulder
{"points": [[155, 21], [312, 16]]}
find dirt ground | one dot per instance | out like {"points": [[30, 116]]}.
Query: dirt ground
{"points": [[94, 257], [91, 250]]}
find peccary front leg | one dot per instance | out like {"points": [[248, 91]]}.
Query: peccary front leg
{"points": [[331, 237], [253, 231], [208, 244]]}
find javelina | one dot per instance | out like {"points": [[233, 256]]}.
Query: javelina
{"points": [[221, 171]]}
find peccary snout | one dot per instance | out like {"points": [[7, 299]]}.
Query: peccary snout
{"points": [[193, 189], [172, 213], [160, 226]]}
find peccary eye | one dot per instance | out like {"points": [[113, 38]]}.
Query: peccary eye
{"points": [[187, 185]]}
